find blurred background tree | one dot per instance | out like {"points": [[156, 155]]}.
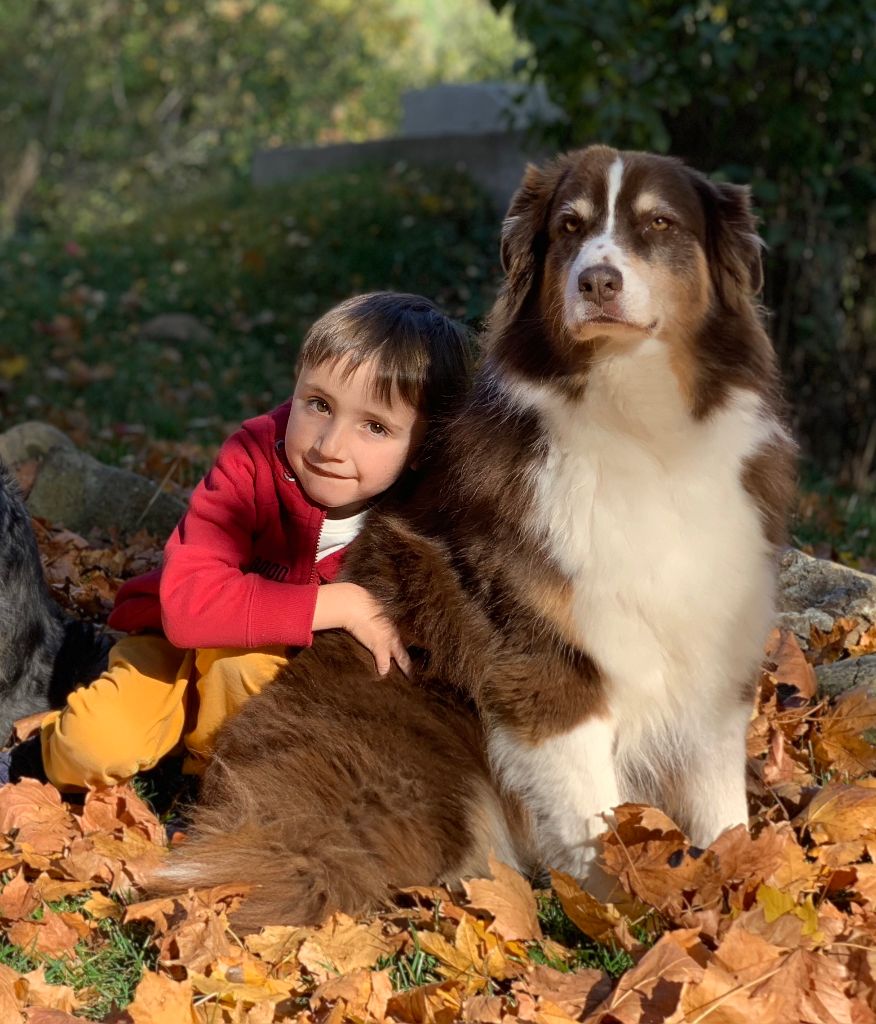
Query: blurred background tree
{"points": [[778, 93], [108, 105]]}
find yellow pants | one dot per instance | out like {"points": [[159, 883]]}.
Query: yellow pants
{"points": [[152, 699]]}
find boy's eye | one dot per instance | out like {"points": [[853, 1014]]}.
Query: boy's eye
{"points": [[319, 405], [376, 428]]}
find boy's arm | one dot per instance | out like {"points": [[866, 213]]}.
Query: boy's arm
{"points": [[207, 600]]}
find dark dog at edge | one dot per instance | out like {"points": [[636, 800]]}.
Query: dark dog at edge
{"points": [[44, 652]]}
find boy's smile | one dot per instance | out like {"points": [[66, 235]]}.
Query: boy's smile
{"points": [[345, 444]]}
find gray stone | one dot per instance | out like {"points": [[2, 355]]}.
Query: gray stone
{"points": [[846, 675], [178, 327], [31, 440], [75, 490], [463, 108], [494, 160], [815, 592]]}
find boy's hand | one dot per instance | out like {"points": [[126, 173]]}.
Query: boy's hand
{"points": [[349, 606]]}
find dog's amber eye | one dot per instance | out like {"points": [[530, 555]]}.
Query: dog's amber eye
{"points": [[660, 223], [571, 225]]}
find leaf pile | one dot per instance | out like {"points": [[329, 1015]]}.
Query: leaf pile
{"points": [[773, 925]]}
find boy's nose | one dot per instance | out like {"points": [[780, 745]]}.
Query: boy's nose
{"points": [[330, 444]]}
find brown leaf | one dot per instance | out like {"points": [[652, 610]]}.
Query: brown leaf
{"points": [[52, 997], [838, 744], [277, 943], [362, 994], [840, 813], [652, 989], [101, 907], [56, 934], [575, 994], [13, 992], [51, 889], [120, 812], [161, 1000], [484, 1010], [18, 899], [791, 666], [509, 898], [342, 945], [427, 1004], [22, 728], [602, 922], [34, 811], [50, 1015], [773, 855], [650, 856], [809, 987]]}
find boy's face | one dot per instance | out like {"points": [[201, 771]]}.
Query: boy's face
{"points": [[345, 445]]}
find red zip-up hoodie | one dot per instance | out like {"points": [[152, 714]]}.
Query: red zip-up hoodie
{"points": [[240, 569]]}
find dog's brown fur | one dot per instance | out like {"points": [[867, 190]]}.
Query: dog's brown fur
{"points": [[334, 786]]}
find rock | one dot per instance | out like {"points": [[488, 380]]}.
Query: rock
{"points": [[75, 490], [845, 675], [31, 441], [178, 327], [816, 592]]}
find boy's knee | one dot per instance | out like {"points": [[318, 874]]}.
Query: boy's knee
{"points": [[81, 750]]}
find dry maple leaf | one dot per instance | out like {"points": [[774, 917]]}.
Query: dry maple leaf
{"points": [[787, 663], [343, 945], [119, 811], [509, 898], [362, 995], [840, 813], [432, 1004], [575, 994], [602, 922], [652, 989], [808, 987], [18, 898], [652, 859], [161, 1000], [51, 997], [838, 744], [34, 812], [55, 935], [13, 992]]}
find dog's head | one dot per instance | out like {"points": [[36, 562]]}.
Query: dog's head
{"points": [[608, 246]]}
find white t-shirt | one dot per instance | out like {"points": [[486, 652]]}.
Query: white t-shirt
{"points": [[336, 533]]}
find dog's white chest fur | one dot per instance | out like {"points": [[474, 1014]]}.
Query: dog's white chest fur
{"points": [[644, 509]]}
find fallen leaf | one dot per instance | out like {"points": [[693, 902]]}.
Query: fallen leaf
{"points": [[791, 667], [342, 945], [427, 1004], [13, 991], [52, 997], [602, 922], [840, 813], [34, 811], [838, 744], [18, 899], [161, 1000], [55, 935], [509, 898]]}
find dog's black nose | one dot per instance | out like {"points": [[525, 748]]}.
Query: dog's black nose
{"points": [[601, 283]]}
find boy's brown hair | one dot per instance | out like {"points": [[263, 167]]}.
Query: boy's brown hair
{"points": [[419, 353]]}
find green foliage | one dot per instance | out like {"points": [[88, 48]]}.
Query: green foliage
{"points": [[106, 104], [779, 93], [255, 267]]}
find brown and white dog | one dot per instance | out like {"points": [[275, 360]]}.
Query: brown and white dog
{"points": [[585, 575]]}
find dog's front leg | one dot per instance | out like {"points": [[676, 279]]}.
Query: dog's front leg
{"points": [[709, 793], [566, 781]]}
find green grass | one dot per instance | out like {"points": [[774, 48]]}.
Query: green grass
{"points": [[109, 966], [412, 968], [256, 267], [585, 952]]}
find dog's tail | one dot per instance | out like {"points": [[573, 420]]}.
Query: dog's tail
{"points": [[294, 868]]}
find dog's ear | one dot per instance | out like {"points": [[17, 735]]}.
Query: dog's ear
{"points": [[733, 244], [524, 230]]}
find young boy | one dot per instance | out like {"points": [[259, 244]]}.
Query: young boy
{"points": [[251, 568]]}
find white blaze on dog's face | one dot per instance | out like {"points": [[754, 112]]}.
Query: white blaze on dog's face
{"points": [[626, 248]]}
